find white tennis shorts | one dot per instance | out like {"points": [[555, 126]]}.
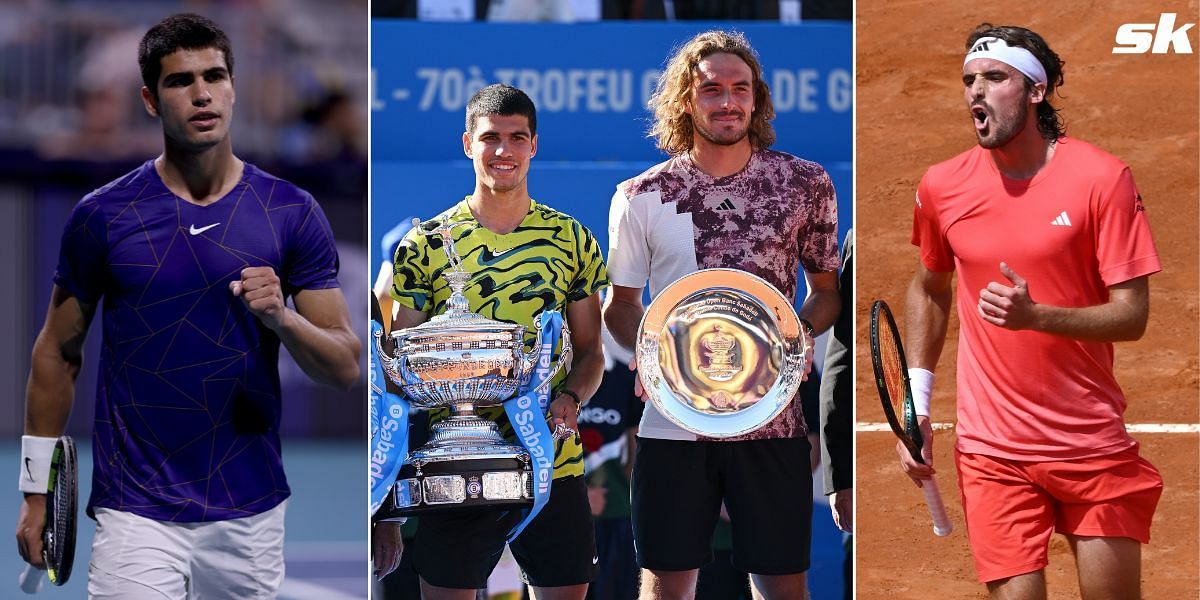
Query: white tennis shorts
{"points": [[136, 558]]}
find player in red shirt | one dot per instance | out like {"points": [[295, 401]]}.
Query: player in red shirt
{"points": [[1049, 238]]}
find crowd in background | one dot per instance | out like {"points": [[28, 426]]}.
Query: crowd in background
{"points": [[69, 79]]}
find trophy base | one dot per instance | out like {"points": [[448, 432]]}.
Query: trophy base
{"points": [[465, 465], [463, 484]]}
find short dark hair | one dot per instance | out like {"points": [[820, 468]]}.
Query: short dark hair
{"points": [[1049, 122], [179, 32], [500, 99]]}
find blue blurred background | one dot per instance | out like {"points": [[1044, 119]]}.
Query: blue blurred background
{"points": [[71, 119], [590, 81]]}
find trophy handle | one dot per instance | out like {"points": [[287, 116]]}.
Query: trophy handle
{"points": [[393, 366], [529, 359]]}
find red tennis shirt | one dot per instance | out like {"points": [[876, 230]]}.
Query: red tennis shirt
{"points": [[1073, 230]]}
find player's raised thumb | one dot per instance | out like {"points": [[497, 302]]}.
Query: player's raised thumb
{"points": [[1011, 275], [235, 287]]}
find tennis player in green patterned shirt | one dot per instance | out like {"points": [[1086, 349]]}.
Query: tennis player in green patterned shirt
{"points": [[525, 258]]}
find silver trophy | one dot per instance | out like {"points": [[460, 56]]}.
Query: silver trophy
{"points": [[460, 360], [720, 352]]}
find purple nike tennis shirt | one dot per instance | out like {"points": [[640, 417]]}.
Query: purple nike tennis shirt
{"points": [[188, 402]]}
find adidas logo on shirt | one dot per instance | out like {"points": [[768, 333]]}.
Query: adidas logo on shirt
{"points": [[726, 204], [1062, 220]]}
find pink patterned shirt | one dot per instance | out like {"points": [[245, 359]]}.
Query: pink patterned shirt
{"points": [[776, 215]]}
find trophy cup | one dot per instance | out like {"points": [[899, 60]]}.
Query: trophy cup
{"points": [[461, 360], [720, 352]]}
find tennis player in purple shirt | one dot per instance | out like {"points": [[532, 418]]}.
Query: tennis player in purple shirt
{"points": [[194, 253]]}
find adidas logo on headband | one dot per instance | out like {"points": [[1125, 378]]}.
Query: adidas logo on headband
{"points": [[1013, 56], [981, 45]]}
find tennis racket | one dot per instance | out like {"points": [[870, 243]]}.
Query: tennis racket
{"points": [[62, 502], [58, 533], [891, 379]]}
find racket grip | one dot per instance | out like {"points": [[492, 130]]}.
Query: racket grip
{"points": [[31, 580], [941, 521]]}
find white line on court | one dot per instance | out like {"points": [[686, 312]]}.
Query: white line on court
{"points": [[886, 427], [1131, 427]]}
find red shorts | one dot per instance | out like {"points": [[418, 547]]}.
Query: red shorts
{"points": [[1012, 507]]}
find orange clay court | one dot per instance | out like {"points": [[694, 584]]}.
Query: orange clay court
{"points": [[1143, 109]]}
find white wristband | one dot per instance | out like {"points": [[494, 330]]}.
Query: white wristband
{"points": [[36, 453], [921, 383]]}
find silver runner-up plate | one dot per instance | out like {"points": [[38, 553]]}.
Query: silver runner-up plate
{"points": [[720, 352]]}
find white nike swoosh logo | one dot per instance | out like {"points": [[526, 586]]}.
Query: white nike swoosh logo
{"points": [[504, 251], [192, 230]]}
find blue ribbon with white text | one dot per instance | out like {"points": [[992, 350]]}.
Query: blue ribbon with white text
{"points": [[389, 427], [527, 414]]}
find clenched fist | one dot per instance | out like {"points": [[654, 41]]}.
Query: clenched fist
{"points": [[260, 290]]}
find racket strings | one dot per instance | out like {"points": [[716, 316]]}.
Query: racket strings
{"points": [[61, 507], [893, 376]]}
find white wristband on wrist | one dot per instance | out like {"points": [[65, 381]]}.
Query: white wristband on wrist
{"points": [[921, 383], [36, 453]]}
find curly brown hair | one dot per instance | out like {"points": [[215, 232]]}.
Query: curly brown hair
{"points": [[672, 129]]}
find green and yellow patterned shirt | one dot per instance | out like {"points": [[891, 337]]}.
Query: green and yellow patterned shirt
{"points": [[549, 261]]}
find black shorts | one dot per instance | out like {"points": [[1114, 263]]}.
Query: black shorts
{"points": [[460, 549], [678, 487]]}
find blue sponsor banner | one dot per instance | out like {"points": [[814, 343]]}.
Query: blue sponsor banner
{"points": [[590, 83]]}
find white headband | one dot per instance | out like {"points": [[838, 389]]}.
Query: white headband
{"points": [[1013, 56]]}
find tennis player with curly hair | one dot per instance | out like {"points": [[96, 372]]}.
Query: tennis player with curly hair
{"points": [[1048, 235], [723, 199]]}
